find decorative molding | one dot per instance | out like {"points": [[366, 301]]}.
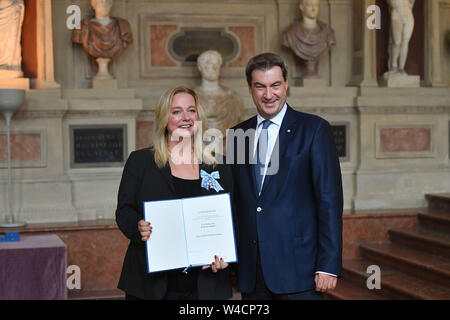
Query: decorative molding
{"points": [[403, 110], [39, 114], [193, 21]]}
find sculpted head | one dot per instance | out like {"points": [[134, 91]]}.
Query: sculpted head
{"points": [[102, 8], [209, 64], [310, 8]]}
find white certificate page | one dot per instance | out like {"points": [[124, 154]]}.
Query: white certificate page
{"points": [[209, 229], [166, 247], [189, 232]]}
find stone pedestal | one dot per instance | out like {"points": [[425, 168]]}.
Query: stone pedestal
{"points": [[15, 83], [312, 83], [400, 80], [104, 83]]}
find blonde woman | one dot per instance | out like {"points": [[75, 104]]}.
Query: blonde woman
{"points": [[169, 169]]}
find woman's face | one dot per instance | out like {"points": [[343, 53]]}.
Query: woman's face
{"points": [[183, 116]]}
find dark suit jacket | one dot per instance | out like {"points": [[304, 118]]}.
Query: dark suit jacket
{"points": [[143, 181], [297, 220]]}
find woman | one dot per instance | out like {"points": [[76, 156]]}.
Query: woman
{"points": [[170, 169]]}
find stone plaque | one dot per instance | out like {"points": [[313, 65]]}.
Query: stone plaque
{"points": [[341, 133], [405, 140], [93, 146]]}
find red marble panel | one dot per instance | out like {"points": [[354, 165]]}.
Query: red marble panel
{"points": [[158, 41], [405, 140], [99, 254], [24, 147], [144, 134], [246, 36]]}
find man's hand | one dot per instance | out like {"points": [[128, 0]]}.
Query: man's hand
{"points": [[325, 282]]}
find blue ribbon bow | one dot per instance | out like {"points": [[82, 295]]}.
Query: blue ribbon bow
{"points": [[209, 180]]}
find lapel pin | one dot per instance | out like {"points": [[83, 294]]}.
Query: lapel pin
{"points": [[288, 130]]}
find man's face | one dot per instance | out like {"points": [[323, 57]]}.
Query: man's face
{"points": [[101, 7], [269, 91], [310, 8]]}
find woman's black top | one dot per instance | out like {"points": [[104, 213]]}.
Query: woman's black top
{"points": [[142, 180], [184, 284]]}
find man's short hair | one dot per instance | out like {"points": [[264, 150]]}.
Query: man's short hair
{"points": [[265, 61]]}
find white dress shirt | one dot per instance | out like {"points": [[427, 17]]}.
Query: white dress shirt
{"points": [[272, 133]]}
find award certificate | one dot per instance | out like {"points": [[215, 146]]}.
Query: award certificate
{"points": [[189, 232]]}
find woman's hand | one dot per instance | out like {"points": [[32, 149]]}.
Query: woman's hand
{"points": [[217, 264], [145, 229]]}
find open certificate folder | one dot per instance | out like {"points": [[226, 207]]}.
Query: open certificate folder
{"points": [[189, 232]]}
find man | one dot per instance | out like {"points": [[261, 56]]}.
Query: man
{"points": [[290, 217]]}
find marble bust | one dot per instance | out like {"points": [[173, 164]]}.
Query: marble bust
{"points": [[309, 38], [223, 107], [103, 37], [11, 20], [402, 26]]}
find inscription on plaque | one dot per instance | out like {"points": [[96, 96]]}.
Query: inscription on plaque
{"points": [[340, 133], [98, 146]]}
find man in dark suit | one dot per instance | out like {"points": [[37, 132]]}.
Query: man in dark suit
{"points": [[289, 193]]}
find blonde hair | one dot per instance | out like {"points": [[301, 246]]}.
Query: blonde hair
{"points": [[161, 137]]}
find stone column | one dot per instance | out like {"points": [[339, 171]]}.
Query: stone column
{"points": [[433, 73], [45, 70], [369, 51], [364, 48], [340, 21]]}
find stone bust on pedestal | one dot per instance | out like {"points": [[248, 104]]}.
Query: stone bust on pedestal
{"points": [[222, 106], [11, 20], [103, 37], [309, 38]]}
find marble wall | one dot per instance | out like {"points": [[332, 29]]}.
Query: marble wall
{"points": [[398, 138]]}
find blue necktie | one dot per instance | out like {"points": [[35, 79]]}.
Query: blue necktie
{"points": [[261, 154]]}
